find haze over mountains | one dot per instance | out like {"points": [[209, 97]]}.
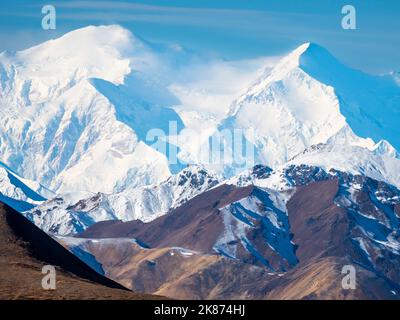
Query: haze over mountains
{"points": [[76, 113]]}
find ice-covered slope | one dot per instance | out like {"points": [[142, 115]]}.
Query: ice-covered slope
{"points": [[19, 193], [78, 124], [152, 201], [369, 103], [66, 119], [377, 164], [352, 159], [60, 216], [308, 98]]}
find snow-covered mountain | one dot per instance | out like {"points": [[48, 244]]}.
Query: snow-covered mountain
{"points": [[61, 217], [329, 216], [67, 119], [355, 160], [373, 206], [19, 193], [310, 98], [323, 189], [78, 125], [380, 163], [64, 113]]}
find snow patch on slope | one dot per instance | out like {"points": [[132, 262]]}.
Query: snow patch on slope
{"points": [[263, 209], [354, 160], [15, 191], [65, 217]]}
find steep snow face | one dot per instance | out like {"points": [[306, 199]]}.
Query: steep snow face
{"points": [[62, 120], [206, 91], [61, 217], [370, 104], [385, 148], [20, 194], [80, 54], [79, 124], [309, 98], [287, 111]]}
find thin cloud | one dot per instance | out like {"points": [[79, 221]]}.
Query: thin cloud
{"points": [[121, 5]]}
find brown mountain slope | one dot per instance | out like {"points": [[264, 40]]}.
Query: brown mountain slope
{"points": [[325, 227], [194, 225], [25, 249], [321, 279], [170, 273]]}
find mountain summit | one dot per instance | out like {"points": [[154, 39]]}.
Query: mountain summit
{"points": [[72, 122], [66, 120], [311, 98]]}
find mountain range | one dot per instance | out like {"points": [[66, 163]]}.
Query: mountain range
{"points": [[321, 189]]}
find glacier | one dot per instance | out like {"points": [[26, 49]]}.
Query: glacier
{"points": [[19, 193], [75, 112], [310, 98], [59, 129]]}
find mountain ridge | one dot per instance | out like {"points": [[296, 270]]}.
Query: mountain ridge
{"points": [[301, 102], [322, 189], [334, 219]]}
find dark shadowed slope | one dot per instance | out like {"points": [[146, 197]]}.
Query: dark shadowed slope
{"points": [[25, 249]]}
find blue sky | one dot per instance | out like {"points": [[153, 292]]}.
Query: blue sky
{"points": [[234, 29]]}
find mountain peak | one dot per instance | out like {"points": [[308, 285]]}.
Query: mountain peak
{"points": [[311, 54], [307, 99], [104, 52], [306, 55], [301, 49], [310, 46], [90, 36]]}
